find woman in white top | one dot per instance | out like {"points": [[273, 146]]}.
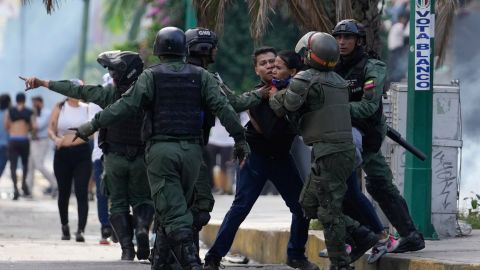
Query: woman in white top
{"points": [[71, 163]]}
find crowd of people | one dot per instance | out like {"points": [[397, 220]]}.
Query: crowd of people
{"points": [[155, 127]]}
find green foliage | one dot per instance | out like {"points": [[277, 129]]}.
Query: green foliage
{"points": [[316, 225], [119, 14], [234, 60], [473, 216], [472, 219]]}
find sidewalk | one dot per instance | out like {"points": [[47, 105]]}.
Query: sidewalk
{"points": [[264, 235]]}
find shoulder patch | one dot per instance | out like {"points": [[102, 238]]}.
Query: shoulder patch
{"points": [[368, 85]]}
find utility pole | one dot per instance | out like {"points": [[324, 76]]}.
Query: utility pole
{"points": [[190, 17], [83, 40], [418, 174]]}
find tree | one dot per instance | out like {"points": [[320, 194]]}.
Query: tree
{"points": [[313, 15]]}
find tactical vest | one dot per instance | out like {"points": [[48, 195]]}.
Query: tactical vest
{"points": [[356, 81], [177, 109], [330, 123], [126, 132]]}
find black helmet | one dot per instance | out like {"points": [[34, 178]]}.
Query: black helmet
{"points": [[169, 41], [200, 42], [349, 27], [320, 50], [124, 67]]}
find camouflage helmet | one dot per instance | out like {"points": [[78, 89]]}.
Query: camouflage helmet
{"points": [[320, 50], [200, 41], [170, 41]]}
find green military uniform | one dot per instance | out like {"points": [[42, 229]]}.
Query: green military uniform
{"points": [[367, 78], [173, 162], [204, 200], [125, 178], [318, 102]]}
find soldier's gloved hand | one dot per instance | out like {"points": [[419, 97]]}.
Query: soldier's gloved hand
{"points": [[264, 91], [84, 131], [241, 150]]}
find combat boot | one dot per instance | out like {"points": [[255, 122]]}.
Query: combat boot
{"points": [[143, 216], [181, 242], [364, 240], [122, 225], [200, 219], [160, 256], [412, 242]]}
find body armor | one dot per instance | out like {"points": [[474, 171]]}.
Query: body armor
{"points": [[372, 138], [125, 133], [330, 123], [177, 107]]}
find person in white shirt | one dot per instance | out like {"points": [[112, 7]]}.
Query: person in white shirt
{"points": [[39, 147]]}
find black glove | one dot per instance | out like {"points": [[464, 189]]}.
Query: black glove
{"points": [[84, 131], [241, 150]]}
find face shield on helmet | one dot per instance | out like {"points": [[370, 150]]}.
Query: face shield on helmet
{"points": [[302, 44], [123, 67], [319, 49]]}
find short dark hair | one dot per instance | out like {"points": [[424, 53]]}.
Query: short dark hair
{"points": [[262, 50], [37, 98], [20, 97], [4, 102], [292, 59]]}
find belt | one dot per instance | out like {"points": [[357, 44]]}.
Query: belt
{"points": [[129, 151]]}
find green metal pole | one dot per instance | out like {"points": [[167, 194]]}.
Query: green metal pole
{"points": [[418, 174], [190, 17], [83, 40]]}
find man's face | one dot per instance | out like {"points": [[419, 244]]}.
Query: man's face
{"points": [[346, 43], [264, 66]]}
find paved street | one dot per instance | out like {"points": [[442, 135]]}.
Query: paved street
{"points": [[30, 238]]}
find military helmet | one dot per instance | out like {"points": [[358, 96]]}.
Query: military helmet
{"points": [[200, 41], [349, 27], [124, 66], [169, 41], [320, 50]]}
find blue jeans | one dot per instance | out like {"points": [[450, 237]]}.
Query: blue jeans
{"points": [[252, 177], [357, 206], [102, 200]]}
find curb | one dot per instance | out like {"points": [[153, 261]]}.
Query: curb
{"points": [[269, 247]]}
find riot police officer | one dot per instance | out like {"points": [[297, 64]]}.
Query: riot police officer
{"points": [[174, 95], [125, 176], [366, 77], [317, 102]]}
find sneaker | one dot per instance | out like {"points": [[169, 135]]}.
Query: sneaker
{"points": [[302, 264], [413, 242], [65, 232], [104, 241], [212, 263], [324, 252], [79, 236], [16, 194], [383, 246]]}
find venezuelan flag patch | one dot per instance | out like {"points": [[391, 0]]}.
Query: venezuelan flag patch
{"points": [[368, 85]]}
